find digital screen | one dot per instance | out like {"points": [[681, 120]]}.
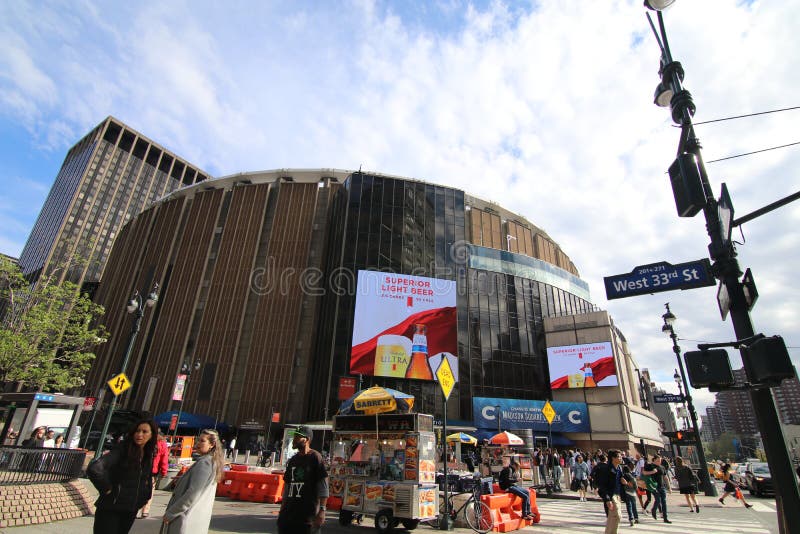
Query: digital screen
{"points": [[404, 326], [582, 366]]}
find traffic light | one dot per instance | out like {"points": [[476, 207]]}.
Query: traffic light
{"points": [[681, 437]]}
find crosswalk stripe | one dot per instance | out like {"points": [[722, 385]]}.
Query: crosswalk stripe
{"points": [[588, 517]]}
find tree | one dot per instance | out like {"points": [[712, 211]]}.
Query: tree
{"points": [[48, 331], [723, 447]]}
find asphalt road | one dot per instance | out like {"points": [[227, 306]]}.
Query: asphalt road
{"points": [[561, 515]]}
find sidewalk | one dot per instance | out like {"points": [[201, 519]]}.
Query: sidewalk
{"points": [[237, 517]]}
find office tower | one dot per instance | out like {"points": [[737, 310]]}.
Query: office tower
{"points": [[107, 178]]}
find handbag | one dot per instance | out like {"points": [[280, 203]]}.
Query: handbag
{"points": [[575, 484]]}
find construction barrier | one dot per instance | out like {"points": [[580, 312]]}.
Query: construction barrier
{"points": [[506, 509], [251, 486]]}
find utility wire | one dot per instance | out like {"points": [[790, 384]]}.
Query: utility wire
{"points": [[745, 116], [754, 152]]}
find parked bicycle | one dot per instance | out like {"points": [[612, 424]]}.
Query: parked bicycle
{"points": [[476, 513]]}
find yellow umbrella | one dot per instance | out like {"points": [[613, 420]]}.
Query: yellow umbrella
{"points": [[461, 437]]}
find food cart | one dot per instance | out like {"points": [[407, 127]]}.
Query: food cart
{"points": [[384, 466]]}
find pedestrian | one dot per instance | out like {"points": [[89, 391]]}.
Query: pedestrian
{"points": [[731, 487], [557, 462], [160, 467], [580, 477], [656, 485], [232, 448], [37, 438], [628, 495], [59, 442], [668, 474], [508, 479], [305, 489], [688, 482], [124, 479], [50, 439], [189, 508], [608, 478]]}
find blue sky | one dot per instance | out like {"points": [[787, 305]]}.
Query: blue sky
{"points": [[512, 102]]}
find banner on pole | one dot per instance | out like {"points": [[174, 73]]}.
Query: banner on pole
{"points": [[180, 385]]}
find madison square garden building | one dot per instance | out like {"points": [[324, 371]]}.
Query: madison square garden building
{"points": [[291, 287]]}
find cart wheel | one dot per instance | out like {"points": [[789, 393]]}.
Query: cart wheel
{"points": [[345, 517], [410, 524], [384, 522]]}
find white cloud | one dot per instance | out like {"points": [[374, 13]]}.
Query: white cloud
{"points": [[545, 110]]}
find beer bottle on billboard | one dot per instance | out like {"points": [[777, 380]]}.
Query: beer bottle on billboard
{"points": [[588, 376], [419, 368]]}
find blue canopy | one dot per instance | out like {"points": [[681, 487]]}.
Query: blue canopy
{"points": [[190, 420]]}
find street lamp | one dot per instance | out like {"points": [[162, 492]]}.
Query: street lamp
{"points": [[499, 415], [136, 306], [184, 374], [678, 381], [705, 481], [692, 191]]}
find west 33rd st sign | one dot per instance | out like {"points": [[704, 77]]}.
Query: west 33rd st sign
{"points": [[657, 277]]}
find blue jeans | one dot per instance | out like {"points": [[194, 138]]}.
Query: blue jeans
{"points": [[523, 494], [630, 504], [661, 501]]}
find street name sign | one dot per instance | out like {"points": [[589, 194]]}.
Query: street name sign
{"points": [[657, 277], [119, 383], [668, 397]]}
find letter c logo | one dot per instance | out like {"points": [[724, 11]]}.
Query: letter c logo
{"points": [[488, 413], [574, 417]]}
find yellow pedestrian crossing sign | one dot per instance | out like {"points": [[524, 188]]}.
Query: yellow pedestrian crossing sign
{"points": [[119, 383], [548, 412], [446, 378]]}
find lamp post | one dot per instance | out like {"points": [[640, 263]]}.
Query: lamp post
{"points": [[186, 372], [136, 306], [678, 381], [499, 415], [705, 481], [693, 193]]}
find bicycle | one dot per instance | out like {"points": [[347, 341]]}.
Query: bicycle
{"points": [[478, 516]]}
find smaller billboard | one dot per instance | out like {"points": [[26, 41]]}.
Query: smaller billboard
{"points": [[582, 366], [489, 412]]}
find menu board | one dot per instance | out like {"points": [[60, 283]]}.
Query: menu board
{"points": [[427, 502], [373, 492], [420, 461], [336, 487], [354, 494]]}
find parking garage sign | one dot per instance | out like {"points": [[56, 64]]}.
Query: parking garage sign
{"points": [[657, 277]]}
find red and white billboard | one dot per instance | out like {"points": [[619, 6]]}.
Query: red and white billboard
{"points": [[404, 326], [582, 366]]}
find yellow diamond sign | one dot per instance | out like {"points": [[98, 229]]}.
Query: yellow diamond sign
{"points": [[119, 383], [446, 378], [548, 412]]}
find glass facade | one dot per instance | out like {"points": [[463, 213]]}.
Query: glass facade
{"points": [[409, 227]]}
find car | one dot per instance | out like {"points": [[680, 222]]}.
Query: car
{"points": [[759, 479]]}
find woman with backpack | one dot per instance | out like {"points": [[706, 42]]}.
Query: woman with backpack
{"points": [[688, 481]]}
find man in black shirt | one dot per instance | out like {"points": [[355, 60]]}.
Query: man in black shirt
{"points": [[607, 477], [305, 488], [658, 473]]}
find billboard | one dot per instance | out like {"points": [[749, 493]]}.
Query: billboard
{"points": [[582, 366], [514, 414], [403, 326]]}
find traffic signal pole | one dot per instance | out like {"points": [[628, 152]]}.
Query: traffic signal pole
{"points": [[726, 270]]}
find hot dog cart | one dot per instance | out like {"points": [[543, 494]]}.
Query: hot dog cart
{"points": [[385, 466]]}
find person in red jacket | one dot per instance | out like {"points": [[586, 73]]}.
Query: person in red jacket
{"points": [[160, 466]]}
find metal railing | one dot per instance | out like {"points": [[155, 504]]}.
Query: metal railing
{"points": [[24, 465]]}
